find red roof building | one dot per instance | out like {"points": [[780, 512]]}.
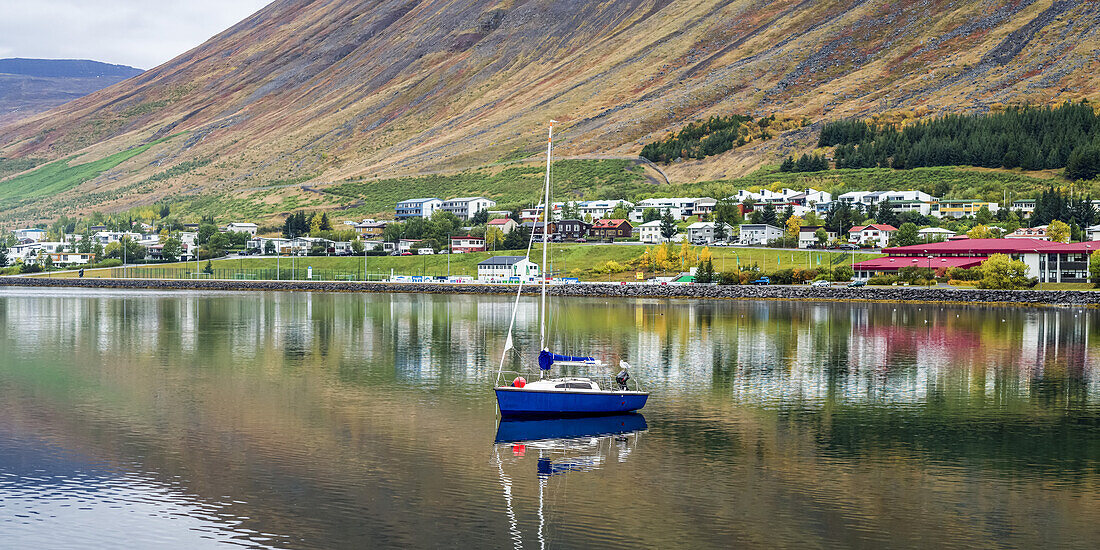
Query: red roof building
{"points": [[1051, 262], [876, 234]]}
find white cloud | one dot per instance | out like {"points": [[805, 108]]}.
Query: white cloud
{"points": [[140, 33]]}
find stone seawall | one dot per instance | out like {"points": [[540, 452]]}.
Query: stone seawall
{"points": [[800, 293]]}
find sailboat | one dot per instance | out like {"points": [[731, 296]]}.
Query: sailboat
{"points": [[560, 396]]}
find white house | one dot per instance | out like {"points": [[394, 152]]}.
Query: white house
{"points": [[1092, 233], [504, 268], [935, 233], [418, 208], [807, 236], [876, 234], [505, 225], [703, 232], [72, 258], [758, 233], [236, 227], [1039, 233], [650, 232], [601, 209], [33, 233], [681, 208], [467, 243], [466, 207], [744, 195]]}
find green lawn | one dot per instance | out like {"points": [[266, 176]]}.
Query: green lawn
{"points": [[575, 260]]}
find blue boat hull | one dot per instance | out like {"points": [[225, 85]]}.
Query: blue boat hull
{"points": [[512, 430], [519, 402]]}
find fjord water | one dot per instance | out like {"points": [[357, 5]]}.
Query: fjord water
{"points": [[190, 420]]}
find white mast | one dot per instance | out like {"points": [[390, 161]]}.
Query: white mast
{"points": [[545, 238]]}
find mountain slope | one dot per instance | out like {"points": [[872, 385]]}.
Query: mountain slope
{"points": [[30, 86], [334, 89]]}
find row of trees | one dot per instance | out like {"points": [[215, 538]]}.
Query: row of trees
{"points": [[701, 139], [1032, 138], [805, 163]]}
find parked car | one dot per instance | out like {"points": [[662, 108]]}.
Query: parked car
{"points": [[582, 240], [858, 282], [821, 282], [762, 281], [849, 246]]}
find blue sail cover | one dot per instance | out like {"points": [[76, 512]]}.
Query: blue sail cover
{"points": [[546, 359]]}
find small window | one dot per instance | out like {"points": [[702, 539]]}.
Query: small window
{"points": [[574, 386]]}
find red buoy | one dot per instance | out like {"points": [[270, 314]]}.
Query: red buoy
{"points": [[519, 382]]}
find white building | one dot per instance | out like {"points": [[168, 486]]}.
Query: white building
{"points": [[1040, 233], [935, 233], [650, 232], [703, 232], [876, 234], [33, 233], [418, 208], [467, 207], [236, 227], [107, 237], [743, 195], [505, 268], [758, 233], [681, 208], [597, 210], [807, 236]]}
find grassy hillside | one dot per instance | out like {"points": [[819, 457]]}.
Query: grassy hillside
{"points": [[392, 89], [60, 176]]}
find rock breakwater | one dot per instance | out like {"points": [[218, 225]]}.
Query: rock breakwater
{"points": [[798, 293]]}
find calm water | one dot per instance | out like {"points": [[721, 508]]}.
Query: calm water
{"points": [[337, 420]]}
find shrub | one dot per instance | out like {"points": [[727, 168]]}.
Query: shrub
{"points": [[843, 273], [728, 278], [882, 280]]}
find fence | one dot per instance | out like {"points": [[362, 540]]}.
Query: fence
{"points": [[246, 274]]}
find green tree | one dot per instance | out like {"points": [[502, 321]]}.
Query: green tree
{"points": [[205, 232], [788, 165], [650, 215], [269, 248], [208, 268], [981, 232], [822, 236], [668, 227], [1058, 231], [907, 235], [1003, 273], [172, 250], [357, 247], [705, 272], [1094, 267], [984, 216]]}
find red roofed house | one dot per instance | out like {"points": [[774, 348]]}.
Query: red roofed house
{"points": [[505, 225], [467, 243], [1051, 262], [611, 229], [876, 234]]}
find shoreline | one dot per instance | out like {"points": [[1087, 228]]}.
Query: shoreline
{"points": [[915, 295]]}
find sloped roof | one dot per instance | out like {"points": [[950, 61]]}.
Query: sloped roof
{"points": [[502, 260], [893, 263], [878, 226], [608, 224]]}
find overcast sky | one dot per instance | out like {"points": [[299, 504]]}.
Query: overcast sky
{"points": [[139, 33]]}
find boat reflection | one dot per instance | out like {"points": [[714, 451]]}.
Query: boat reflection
{"points": [[559, 446]]}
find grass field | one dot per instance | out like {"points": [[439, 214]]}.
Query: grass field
{"points": [[583, 261]]}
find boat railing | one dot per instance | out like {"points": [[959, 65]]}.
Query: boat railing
{"points": [[605, 379]]}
